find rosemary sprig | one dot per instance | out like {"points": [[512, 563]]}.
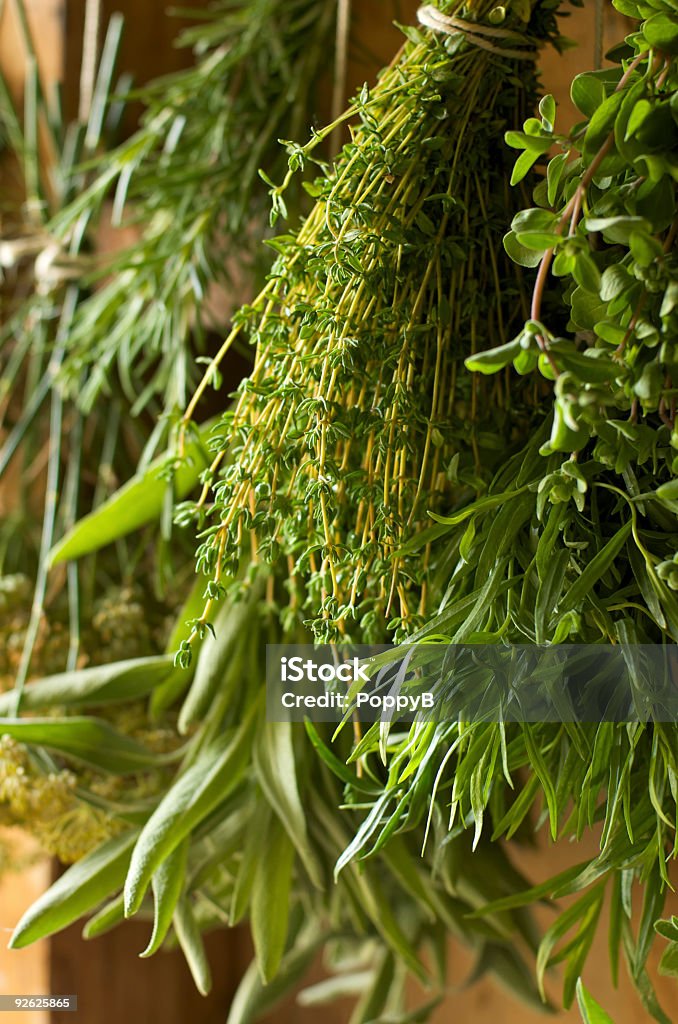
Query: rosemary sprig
{"points": [[189, 179]]}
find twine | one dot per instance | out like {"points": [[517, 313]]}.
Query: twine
{"points": [[478, 35]]}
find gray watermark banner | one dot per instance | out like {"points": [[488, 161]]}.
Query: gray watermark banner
{"points": [[472, 682]]}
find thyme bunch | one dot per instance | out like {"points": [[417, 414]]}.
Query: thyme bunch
{"points": [[357, 418]]}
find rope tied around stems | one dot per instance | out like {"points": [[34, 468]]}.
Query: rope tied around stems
{"points": [[478, 35]]}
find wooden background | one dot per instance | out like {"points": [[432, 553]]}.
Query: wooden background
{"points": [[113, 985]]}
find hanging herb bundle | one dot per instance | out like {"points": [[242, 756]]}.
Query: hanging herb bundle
{"points": [[357, 416], [575, 539], [244, 825]]}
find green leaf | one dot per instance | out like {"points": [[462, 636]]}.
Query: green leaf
{"points": [[92, 740], [525, 163], [596, 568], [102, 684], [668, 491], [276, 769], [661, 32], [617, 229], [533, 221], [587, 309], [380, 911], [613, 282], [554, 174], [493, 359], [192, 945], [601, 124], [109, 917], [337, 767], [520, 254], [544, 774], [667, 928], [482, 505], [81, 888], [375, 998], [547, 109], [138, 502], [590, 1010], [550, 588], [641, 110], [533, 144], [585, 272], [216, 669], [347, 985], [258, 828], [538, 241], [590, 366], [167, 884], [193, 796], [668, 963], [580, 914], [587, 93], [271, 899], [645, 249]]}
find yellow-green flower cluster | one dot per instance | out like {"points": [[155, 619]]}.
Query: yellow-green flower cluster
{"points": [[45, 804]]}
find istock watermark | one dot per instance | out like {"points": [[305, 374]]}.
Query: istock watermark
{"points": [[473, 682]]}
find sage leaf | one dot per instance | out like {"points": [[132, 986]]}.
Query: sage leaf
{"points": [[83, 886], [271, 899], [109, 917], [138, 502], [92, 740], [193, 796], [167, 884], [101, 684], [192, 945]]}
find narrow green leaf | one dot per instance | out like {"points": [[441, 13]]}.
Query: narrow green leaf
{"points": [[192, 797], [276, 768], [375, 998], [214, 670], [596, 568], [258, 828], [109, 917], [81, 888], [138, 502], [167, 884], [591, 1011], [102, 684], [192, 945], [92, 740], [482, 505], [271, 899]]}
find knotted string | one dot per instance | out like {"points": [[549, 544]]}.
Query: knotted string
{"points": [[477, 35]]}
